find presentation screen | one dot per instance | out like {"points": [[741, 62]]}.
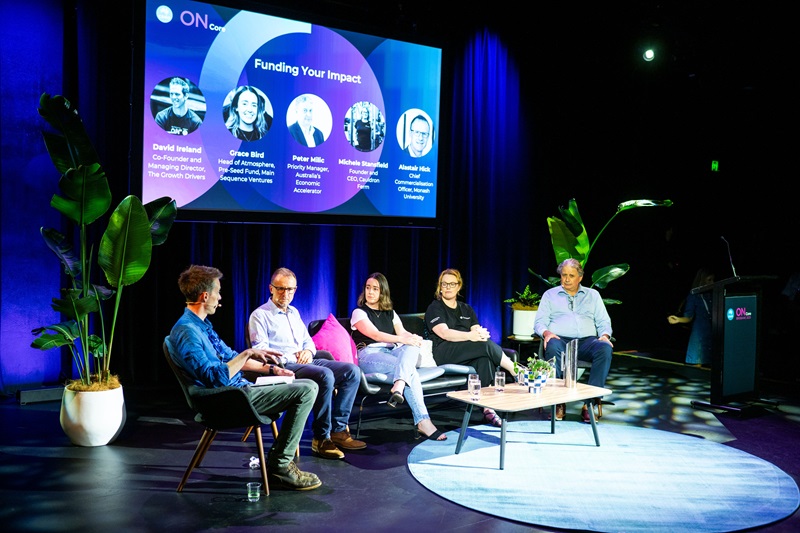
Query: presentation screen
{"points": [[251, 117]]}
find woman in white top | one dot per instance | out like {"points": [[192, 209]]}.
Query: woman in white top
{"points": [[385, 346]]}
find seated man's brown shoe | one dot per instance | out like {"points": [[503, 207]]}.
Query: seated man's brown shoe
{"points": [[343, 440], [292, 478], [326, 449]]}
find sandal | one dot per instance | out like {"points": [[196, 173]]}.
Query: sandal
{"points": [[433, 436], [395, 400], [491, 418]]}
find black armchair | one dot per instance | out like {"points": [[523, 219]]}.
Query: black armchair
{"points": [[218, 409]]}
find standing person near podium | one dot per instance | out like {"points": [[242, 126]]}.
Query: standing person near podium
{"points": [[572, 311], [697, 312]]}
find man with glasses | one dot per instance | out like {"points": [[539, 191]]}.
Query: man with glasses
{"points": [[572, 311], [277, 325], [420, 130]]}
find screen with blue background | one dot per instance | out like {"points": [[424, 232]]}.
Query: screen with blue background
{"points": [[372, 104]]}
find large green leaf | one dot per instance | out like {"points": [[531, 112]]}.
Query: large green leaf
{"points": [[58, 243], [75, 306], [64, 333], [161, 213], [565, 244], [605, 275], [572, 218], [86, 194], [632, 204], [126, 246], [71, 146]]}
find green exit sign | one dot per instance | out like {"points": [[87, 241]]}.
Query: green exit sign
{"points": [[714, 166]]}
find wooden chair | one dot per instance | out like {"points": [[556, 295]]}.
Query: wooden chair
{"points": [[217, 409]]}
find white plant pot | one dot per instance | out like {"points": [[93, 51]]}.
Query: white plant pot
{"points": [[522, 323], [93, 418]]}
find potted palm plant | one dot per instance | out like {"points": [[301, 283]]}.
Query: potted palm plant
{"points": [[524, 306], [570, 240], [122, 255]]}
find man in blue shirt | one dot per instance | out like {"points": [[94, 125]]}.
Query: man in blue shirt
{"points": [[571, 311], [278, 325], [211, 363]]}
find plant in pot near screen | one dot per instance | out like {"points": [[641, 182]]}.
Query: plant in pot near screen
{"points": [[524, 305], [122, 257]]}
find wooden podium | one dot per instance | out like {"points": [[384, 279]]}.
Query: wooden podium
{"points": [[736, 338]]}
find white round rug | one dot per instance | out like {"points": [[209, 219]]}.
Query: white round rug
{"points": [[638, 479]]}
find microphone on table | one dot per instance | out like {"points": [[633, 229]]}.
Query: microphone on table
{"points": [[730, 258]]}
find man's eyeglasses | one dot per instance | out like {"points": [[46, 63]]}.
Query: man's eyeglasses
{"points": [[452, 285], [290, 290], [423, 134]]}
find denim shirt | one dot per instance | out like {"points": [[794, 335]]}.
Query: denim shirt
{"points": [[583, 315], [202, 358]]}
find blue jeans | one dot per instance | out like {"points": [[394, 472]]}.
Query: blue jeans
{"points": [[589, 349], [399, 363], [331, 411]]}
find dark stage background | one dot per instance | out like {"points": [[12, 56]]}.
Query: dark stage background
{"points": [[541, 107]]}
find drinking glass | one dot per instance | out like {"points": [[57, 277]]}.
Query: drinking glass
{"points": [[474, 386], [500, 381], [253, 491]]}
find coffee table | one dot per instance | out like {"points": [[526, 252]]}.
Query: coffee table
{"points": [[516, 398]]}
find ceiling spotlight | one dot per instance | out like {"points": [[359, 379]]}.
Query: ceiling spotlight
{"points": [[649, 54]]}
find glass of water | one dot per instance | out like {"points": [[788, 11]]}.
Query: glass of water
{"points": [[253, 491], [500, 381], [474, 386]]}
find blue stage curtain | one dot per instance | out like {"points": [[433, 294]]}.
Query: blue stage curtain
{"points": [[30, 63], [490, 191]]}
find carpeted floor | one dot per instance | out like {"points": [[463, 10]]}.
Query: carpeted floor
{"points": [[638, 479]]}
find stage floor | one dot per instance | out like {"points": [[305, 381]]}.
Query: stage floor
{"points": [[129, 486]]}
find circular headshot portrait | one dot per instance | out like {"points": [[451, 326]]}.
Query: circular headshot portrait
{"points": [[364, 126], [247, 113], [415, 132], [178, 106], [309, 120]]}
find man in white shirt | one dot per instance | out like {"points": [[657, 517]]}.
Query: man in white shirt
{"points": [[277, 325]]}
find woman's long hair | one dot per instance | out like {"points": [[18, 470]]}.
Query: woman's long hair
{"points": [[260, 125], [385, 299]]}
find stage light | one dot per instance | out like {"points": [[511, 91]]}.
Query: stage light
{"points": [[649, 54]]}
